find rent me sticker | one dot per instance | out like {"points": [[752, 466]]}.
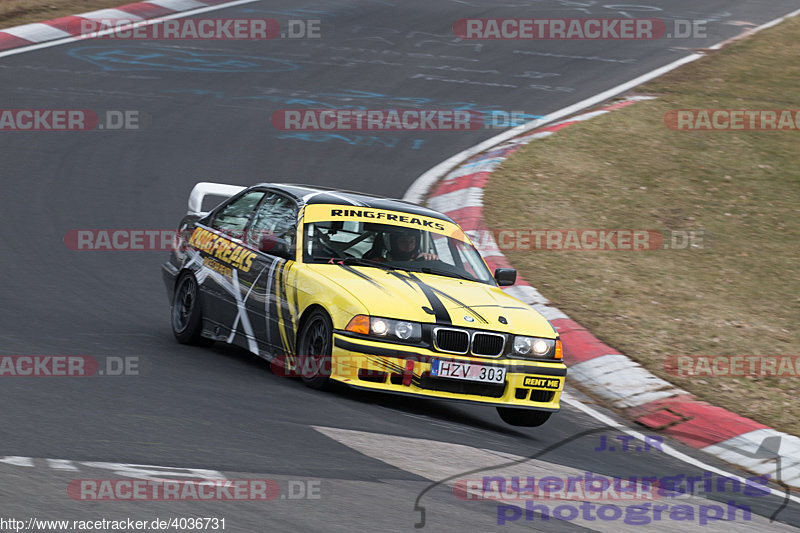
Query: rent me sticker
{"points": [[541, 383]]}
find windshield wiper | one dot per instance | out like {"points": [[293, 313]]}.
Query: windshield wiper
{"points": [[354, 261], [367, 262], [448, 273]]}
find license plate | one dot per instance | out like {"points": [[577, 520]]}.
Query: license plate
{"points": [[467, 371]]}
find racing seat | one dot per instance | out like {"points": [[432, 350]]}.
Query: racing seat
{"points": [[375, 253]]}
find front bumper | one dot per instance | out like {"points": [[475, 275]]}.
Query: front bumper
{"points": [[400, 369]]}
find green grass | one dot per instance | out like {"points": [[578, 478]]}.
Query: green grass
{"points": [[741, 293]]}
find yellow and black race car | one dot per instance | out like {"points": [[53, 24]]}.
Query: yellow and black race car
{"points": [[369, 292]]}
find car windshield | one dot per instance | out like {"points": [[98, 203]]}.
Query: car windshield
{"points": [[389, 246]]}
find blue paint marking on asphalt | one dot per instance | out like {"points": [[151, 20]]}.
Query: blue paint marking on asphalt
{"points": [[352, 140], [329, 8], [114, 58], [494, 116]]}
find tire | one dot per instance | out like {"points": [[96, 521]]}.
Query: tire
{"points": [[314, 350], [523, 417], [186, 313]]}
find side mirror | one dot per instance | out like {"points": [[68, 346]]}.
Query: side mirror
{"points": [[505, 276], [272, 245]]}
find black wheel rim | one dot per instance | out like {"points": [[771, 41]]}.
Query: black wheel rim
{"points": [[318, 343], [185, 300], [316, 348]]}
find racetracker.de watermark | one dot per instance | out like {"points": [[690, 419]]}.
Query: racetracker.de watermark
{"points": [[629, 240], [227, 490], [395, 119], [70, 120], [196, 28], [68, 366], [733, 119], [157, 240], [594, 240], [120, 239], [729, 366], [577, 29]]}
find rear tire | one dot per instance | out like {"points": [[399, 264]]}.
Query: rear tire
{"points": [[314, 350], [186, 313], [523, 417]]}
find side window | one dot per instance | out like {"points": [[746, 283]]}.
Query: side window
{"points": [[232, 218], [276, 216]]}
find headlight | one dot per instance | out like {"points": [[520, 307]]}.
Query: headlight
{"points": [[379, 326], [533, 347], [386, 328], [405, 330], [397, 329]]}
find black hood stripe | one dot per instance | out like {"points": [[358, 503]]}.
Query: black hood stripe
{"points": [[432, 294], [363, 276], [461, 304], [439, 310]]}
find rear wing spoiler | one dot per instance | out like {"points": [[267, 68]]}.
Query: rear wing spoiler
{"points": [[205, 188]]}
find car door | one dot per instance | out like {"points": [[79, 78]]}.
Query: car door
{"points": [[226, 259], [270, 298]]}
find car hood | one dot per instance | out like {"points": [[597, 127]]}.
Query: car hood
{"points": [[436, 299]]}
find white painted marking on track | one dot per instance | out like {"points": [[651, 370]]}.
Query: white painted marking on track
{"points": [[177, 5], [154, 472], [448, 463], [133, 470], [61, 464], [17, 460]]}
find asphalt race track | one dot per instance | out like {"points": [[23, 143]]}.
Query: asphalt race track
{"points": [[205, 108]]}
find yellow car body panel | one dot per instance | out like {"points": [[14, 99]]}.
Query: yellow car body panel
{"points": [[345, 291]]}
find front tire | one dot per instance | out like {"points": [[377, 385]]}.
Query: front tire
{"points": [[186, 313], [523, 417], [314, 350]]}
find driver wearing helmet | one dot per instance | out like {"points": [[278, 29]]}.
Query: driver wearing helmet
{"points": [[403, 245]]}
